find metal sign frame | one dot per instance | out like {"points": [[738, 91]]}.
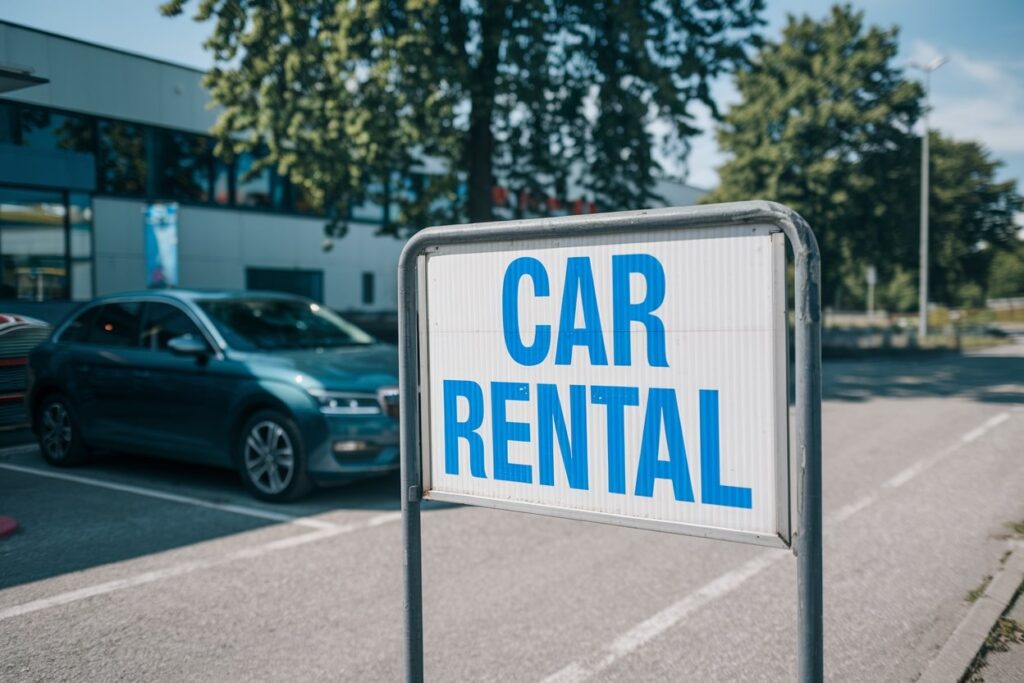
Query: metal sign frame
{"points": [[805, 442]]}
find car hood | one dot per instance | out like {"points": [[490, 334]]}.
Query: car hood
{"points": [[348, 368]]}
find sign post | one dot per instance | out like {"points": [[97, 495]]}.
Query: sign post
{"points": [[627, 368]]}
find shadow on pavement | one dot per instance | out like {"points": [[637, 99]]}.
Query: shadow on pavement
{"points": [[985, 378], [67, 526]]}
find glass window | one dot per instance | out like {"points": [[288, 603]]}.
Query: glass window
{"points": [[122, 158], [116, 325], [367, 288], [32, 244], [8, 124], [252, 189], [221, 181], [80, 240], [183, 165], [78, 329], [43, 129], [163, 323], [278, 324]]}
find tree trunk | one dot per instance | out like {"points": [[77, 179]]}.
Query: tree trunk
{"points": [[480, 145]]}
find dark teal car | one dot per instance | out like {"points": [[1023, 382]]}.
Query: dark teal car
{"points": [[276, 386]]}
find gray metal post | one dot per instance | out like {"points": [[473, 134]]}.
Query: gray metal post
{"points": [[412, 487], [808, 443], [922, 292]]}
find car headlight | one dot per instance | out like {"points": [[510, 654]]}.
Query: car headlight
{"points": [[346, 403]]}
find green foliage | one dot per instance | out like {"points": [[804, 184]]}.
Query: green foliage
{"points": [[970, 217], [1006, 275], [825, 126], [538, 95], [899, 292]]}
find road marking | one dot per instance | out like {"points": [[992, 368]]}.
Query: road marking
{"points": [[194, 565], [920, 466], [646, 631], [174, 497]]}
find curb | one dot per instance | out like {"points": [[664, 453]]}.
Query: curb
{"points": [[956, 656]]}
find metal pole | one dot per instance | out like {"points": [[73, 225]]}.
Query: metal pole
{"points": [[412, 487], [808, 442], [922, 303]]}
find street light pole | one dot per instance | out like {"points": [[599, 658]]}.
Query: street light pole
{"points": [[922, 300]]}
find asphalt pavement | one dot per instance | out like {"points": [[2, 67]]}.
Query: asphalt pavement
{"points": [[140, 569]]}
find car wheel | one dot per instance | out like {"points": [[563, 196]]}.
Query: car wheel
{"points": [[271, 458], [60, 440]]}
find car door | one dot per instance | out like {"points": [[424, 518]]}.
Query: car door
{"points": [[184, 397], [103, 374]]}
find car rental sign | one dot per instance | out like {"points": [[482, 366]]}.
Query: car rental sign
{"points": [[635, 377]]}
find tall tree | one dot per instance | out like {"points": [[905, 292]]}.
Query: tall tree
{"points": [[537, 95], [971, 219], [825, 126]]}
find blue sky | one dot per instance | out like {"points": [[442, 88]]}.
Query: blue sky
{"points": [[978, 95]]}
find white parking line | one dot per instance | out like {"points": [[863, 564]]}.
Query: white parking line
{"points": [[174, 497], [646, 631], [194, 565]]}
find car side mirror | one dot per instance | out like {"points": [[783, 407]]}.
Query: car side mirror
{"points": [[187, 345]]}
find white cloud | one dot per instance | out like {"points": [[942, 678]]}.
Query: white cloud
{"points": [[976, 99]]}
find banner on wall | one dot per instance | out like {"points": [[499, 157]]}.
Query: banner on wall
{"points": [[161, 238]]}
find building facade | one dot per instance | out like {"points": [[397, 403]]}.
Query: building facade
{"points": [[89, 136]]}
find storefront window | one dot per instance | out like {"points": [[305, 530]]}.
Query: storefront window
{"points": [[32, 245], [221, 181], [183, 164], [42, 129], [252, 189], [122, 158], [8, 124], [80, 241]]}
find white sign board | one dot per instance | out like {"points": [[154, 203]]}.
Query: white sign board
{"points": [[637, 379]]}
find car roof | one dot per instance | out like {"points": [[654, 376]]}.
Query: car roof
{"points": [[194, 295]]}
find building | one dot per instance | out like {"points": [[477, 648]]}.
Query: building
{"points": [[89, 136]]}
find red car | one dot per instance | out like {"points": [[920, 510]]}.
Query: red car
{"points": [[18, 336]]}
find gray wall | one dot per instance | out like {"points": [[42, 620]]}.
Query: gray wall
{"points": [[96, 80], [215, 246]]}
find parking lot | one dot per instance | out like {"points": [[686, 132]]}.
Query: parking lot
{"points": [[138, 568]]}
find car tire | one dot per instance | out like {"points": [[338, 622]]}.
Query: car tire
{"points": [[271, 458], [60, 439]]}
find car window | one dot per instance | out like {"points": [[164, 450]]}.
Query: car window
{"points": [[164, 322], [78, 329], [256, 324], [115, 325]]}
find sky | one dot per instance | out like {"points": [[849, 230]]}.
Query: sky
{"points": [[978, 95]]}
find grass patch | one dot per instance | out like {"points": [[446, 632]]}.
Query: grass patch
{"points": [[975, 593], [1017, 528]]}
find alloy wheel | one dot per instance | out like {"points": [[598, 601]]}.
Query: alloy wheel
{"points": [[269, 457], [56, 431]]}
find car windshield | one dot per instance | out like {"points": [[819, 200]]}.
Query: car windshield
{"points": [[280, 324]]}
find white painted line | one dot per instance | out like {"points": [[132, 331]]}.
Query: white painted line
{"points": [[192, 566], [850, 509], [989, 424], [174, 497], [648, 630], [901, 478]]}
